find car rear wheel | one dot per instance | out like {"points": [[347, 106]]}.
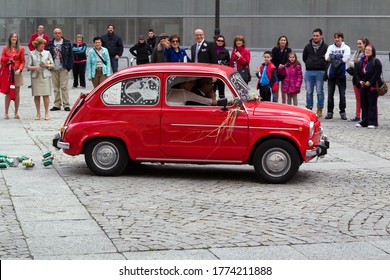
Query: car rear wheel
{"points": [[276, 161], [106, 157]]}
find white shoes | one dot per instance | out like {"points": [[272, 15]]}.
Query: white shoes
{"points": [[369, 127]]}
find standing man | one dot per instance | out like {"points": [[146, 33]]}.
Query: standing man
{"points": [[40, 33], [61, 51], [314, 57], [114, 44], [337, 55], [152, 39], [203, 51]]}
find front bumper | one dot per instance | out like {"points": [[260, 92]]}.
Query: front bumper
{"points": [[58, 144], [321, 149]]}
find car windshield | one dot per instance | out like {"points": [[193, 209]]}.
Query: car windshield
{"points": [[241, 87]]}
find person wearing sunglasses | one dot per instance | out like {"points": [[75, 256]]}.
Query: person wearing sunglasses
{"points": [[223, 57], [173, 52]]}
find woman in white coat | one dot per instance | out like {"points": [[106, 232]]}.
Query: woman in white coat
{"points": [[39, 66]]}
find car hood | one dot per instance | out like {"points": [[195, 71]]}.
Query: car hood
{"points": [[272, 110]]}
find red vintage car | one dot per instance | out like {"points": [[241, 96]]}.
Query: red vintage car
{"points": [[145, 114]]}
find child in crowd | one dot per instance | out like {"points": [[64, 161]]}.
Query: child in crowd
{"points": [[267, 75], [292, 73]]}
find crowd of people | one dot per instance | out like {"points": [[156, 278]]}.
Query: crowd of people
{"points": [[280, 74]]}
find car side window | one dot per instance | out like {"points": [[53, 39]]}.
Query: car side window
{"points": [[141, 91], [193, 90]]}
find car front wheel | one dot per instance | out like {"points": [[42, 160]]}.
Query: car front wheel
{"points": [[106, 157], [276, 161]]}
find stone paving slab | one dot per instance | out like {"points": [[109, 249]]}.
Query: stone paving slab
{"points": [[70, 245], [342, 251], [171, 255], [259, 253]]}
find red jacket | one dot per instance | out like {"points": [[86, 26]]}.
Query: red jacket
{"points": [[271, 74], [19, 59], [244, 60], [293, 78], [32, 39]]}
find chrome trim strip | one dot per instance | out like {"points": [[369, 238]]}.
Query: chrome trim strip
{"points": [[203, 125], [275, 128], [242, 127], [189, 160]]}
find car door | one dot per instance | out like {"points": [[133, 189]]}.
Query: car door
{"points": [[204, 133]]}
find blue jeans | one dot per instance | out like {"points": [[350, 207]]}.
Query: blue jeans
{"points": [[114, 64], [314, 77]]}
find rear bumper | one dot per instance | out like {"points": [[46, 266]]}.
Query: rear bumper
{"points": [[58, 144], [321, 149]]}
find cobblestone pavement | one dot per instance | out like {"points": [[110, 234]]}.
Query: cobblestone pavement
{"points": [[339, 203]]}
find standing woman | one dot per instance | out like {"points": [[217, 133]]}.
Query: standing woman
{"points": [[353, 64], [223, 57], [79, 49], [173, 52], [39, 65], [98, 63], [368, 74], [279, 59], [241, 56], [141, 51], [12, 59]]}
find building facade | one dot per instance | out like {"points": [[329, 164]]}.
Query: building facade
{"points": [[260, 21]]}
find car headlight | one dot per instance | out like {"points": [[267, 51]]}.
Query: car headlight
{"points": [[311, 130]]}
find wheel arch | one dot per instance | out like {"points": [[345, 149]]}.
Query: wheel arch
{"points": [[89, 140], [273, 137]]}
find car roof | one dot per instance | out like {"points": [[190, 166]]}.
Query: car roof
{"points": [[182, 68]]}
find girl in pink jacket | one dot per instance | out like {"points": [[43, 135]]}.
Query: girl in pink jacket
{"points": [[292, 71]]}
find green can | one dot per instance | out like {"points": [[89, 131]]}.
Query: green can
{"points": [[46, 154], [3, 165], [3, 155], [2, 159], [47, 162], [9, 161]]}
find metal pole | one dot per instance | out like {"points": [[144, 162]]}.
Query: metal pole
{"points": [[217, 31]]}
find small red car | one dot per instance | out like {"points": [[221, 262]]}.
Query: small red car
{"points": [[135, 116]]}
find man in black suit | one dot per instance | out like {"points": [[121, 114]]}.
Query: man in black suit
{"points": [[203, 51]]}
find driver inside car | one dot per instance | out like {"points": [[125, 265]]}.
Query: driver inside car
{"points": [[181, 94]]}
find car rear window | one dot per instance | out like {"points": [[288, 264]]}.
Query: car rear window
{"points": [[134, 91]]}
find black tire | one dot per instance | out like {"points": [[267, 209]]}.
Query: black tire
{"points": [[276, 161], [106, 156]]}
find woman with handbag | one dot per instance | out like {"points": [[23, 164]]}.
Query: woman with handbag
{"points": [[354, 61], [368, 74], [98, 63], [12, 60], [241, 58]]}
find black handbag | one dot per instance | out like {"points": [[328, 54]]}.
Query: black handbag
{"points": [[244, 72], [350, 71]]}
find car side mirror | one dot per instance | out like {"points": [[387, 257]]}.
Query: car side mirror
{"points": [[222, 102]]}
